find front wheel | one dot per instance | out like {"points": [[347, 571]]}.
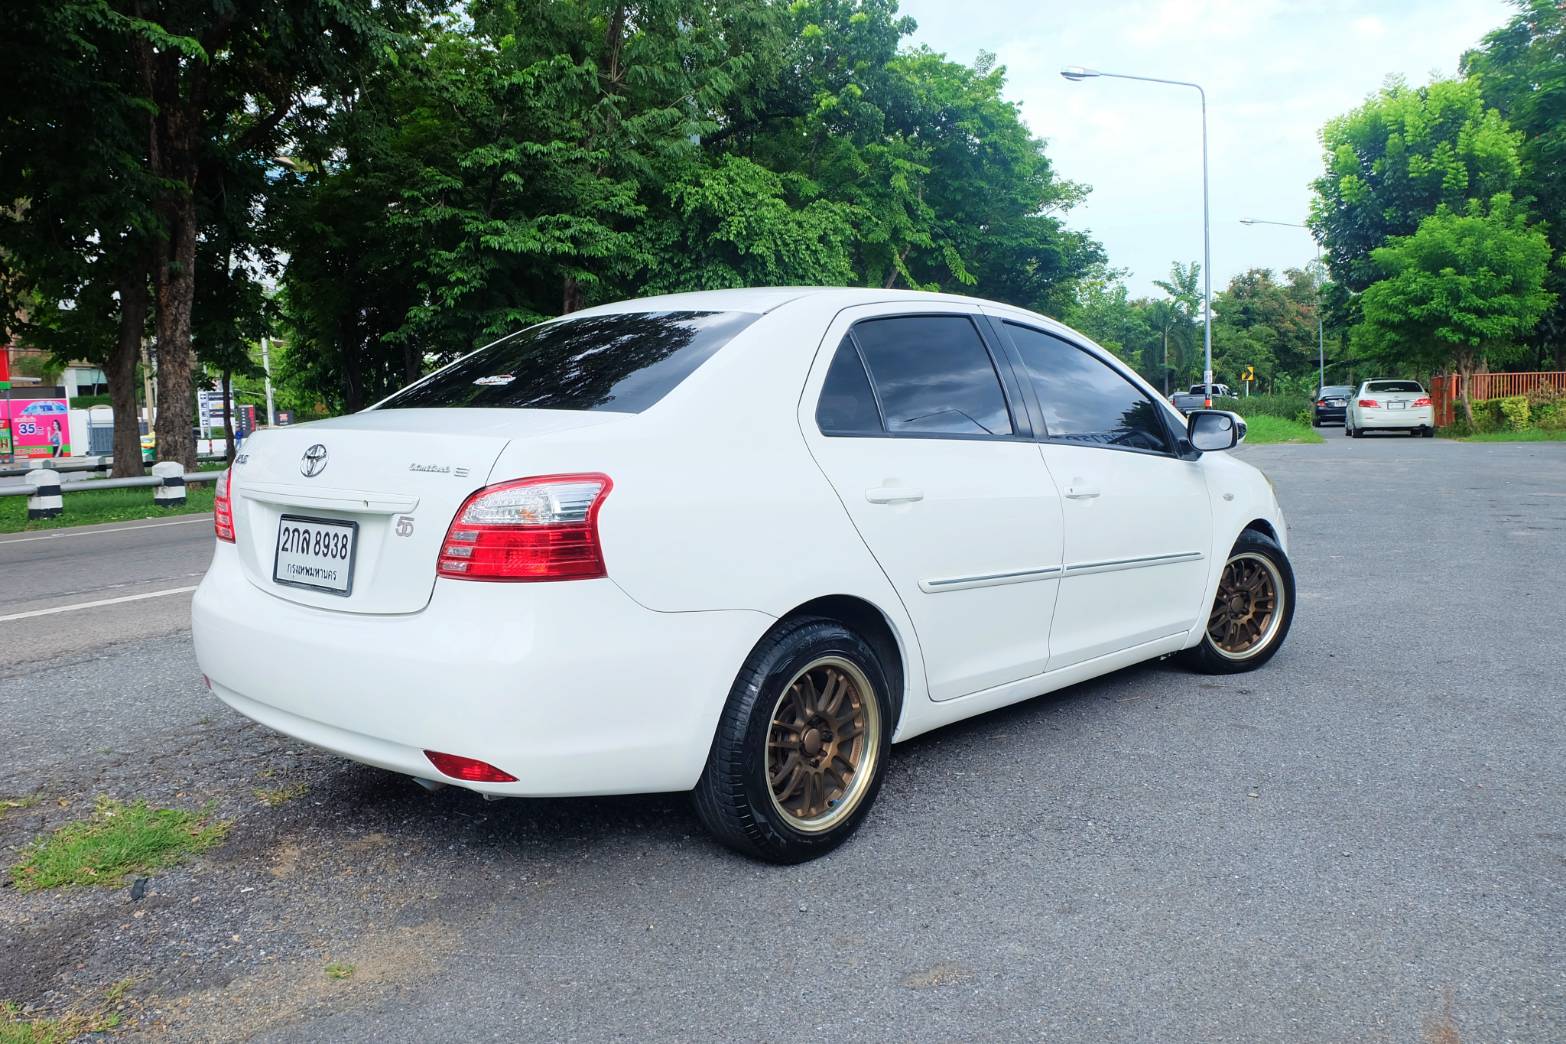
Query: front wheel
{"points": [[1252, 611], [801, 748]]}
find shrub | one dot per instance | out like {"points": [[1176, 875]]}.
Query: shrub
{"points": [[1551, 417], [1287, 407], [1545, 397], [1514, 412]]}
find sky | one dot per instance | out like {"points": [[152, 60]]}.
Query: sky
{"points": [[1274, 72]]}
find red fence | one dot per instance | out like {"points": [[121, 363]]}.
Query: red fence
{"points": [[1447, 389]]}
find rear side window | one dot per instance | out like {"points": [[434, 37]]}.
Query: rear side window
{"points": [[847, 405], [622, 363], [1393, 386], [933, 376], [1085, 400]]}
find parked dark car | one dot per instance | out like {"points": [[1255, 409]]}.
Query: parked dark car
{"points": [[1331, 405]]}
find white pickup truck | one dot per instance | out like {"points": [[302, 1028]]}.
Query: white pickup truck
{"points": [[1195, 397]]}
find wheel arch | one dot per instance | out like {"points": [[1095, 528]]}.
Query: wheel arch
{"points": [[1265, 528], [867, 620]]}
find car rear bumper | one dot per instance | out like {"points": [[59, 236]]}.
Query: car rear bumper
{"points": [[1330, 414], [572, 687], [1420, 417]]}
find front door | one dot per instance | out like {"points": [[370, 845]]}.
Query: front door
{"points": [[1138, 521], [919, 427]]}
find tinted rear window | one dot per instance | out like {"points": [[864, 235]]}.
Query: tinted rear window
{"points": [[621, 363], [1337, 390], [1394, 386]]}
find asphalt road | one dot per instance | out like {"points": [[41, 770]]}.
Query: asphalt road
{"points": [[1363, 841]]}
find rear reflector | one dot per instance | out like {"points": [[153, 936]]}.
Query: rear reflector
{"points": [[543, 528], [470, 769], [1422, 402], [223, 508], [1370, 403]]}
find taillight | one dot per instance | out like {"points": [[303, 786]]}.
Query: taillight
{"points": [[1371, 403], [1422, 402], [223, 508], [470, 769], [1321, 402], [543, 528]]}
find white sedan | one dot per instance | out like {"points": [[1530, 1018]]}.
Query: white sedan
{"points": [[736, 543], [1386, 405]]}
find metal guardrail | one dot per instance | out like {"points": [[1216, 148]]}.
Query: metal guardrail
{"points": [[145, 482]]}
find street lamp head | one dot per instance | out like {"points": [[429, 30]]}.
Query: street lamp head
{"points": [[1077, 72]]}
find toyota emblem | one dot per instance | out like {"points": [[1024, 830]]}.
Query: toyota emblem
{"points": [[314, 461]]}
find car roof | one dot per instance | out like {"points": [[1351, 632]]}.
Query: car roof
{"points": [[763, 299]]}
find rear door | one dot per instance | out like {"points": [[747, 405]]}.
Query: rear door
{"points": [[917, 421], [1138, 521]]}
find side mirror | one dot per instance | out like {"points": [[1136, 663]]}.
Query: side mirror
{"points": [[1214, 430]]}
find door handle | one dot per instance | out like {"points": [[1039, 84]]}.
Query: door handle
{"points": [[893, 494], [1081, 492]]}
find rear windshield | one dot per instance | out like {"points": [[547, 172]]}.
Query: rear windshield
{"points": [[1336, 389], [621, 363], [1393, 386]]}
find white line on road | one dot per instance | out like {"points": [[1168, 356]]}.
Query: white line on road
{"points": [[57, 534], [94, 605]]}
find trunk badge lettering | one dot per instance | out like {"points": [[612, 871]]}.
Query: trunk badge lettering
{"points": [[314, 461], [495, 380]]}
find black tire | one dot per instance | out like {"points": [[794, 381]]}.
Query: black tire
{"points": [[1208, 657], [734, 797], [1315, 422], [1428, 433]]}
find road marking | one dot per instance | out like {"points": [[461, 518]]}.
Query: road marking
{"points": [[94, 605], [94, 532]]}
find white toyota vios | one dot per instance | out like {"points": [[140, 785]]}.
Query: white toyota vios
{"points": [[736, 543]]}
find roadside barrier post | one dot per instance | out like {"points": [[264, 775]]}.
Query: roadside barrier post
{"points": [[170, 490], [45, 500]]}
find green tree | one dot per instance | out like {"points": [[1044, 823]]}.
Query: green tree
{"points": [[77, 229], [1521, 70], [1262, 322], [1462, 291], [1184, 287], [1391, 162]]}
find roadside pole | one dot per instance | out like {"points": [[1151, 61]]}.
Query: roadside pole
{"points": [[266, 367]]}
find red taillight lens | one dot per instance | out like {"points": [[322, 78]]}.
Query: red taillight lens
{"points": [[1321, 402], [543, 528], [223, 508], [1422, 402], [470, 769], [1372, 403]]}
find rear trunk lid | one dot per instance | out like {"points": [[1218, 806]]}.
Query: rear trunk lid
{"points": [[393, 479]]}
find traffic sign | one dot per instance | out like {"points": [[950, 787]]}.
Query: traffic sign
{"points": [[1249, 374]]}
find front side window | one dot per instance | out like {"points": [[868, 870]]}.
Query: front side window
{"points": [[933, 376], [1085, 400], [623, 363]]}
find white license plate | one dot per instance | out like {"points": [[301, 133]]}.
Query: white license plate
{"points": [[316, 553], [1396, 405]]}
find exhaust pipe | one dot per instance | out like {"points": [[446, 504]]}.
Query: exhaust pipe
{"points": [[431, 785]]}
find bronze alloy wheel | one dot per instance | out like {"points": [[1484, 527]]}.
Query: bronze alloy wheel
{"points": [[1249, 608], [823, 744]]}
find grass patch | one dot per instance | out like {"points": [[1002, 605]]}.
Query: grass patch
{"points": [[338, 970], [88, 507], [280, 795], [118, 840], [1264, 430], [14, 1029], [1526, 435], [6, 804]]}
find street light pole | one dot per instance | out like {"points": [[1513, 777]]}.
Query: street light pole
{"points": [[1321, 339], [1077, 73]]}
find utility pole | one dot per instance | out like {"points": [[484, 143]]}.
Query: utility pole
{"points": [[266, 367]]}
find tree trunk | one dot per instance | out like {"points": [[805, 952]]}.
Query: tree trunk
{"points": [[571, 297], [1466, 365], [174, 279], [121, 373], [228, 415], [353, 363]]}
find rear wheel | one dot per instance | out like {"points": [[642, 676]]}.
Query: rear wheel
{"points": [[1252, 611], [801, 748], [1428, 433], [1348, 429]]}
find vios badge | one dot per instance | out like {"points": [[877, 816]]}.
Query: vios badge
{"points": [[314, 461]]}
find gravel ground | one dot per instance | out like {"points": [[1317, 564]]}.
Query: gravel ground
{"points": [[1364, 841]]}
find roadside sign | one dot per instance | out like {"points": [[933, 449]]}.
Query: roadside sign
{"points": [[1249, 375]]}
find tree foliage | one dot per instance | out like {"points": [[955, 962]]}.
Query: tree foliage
{"points": [[1463, 289], [1391, 162]]}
